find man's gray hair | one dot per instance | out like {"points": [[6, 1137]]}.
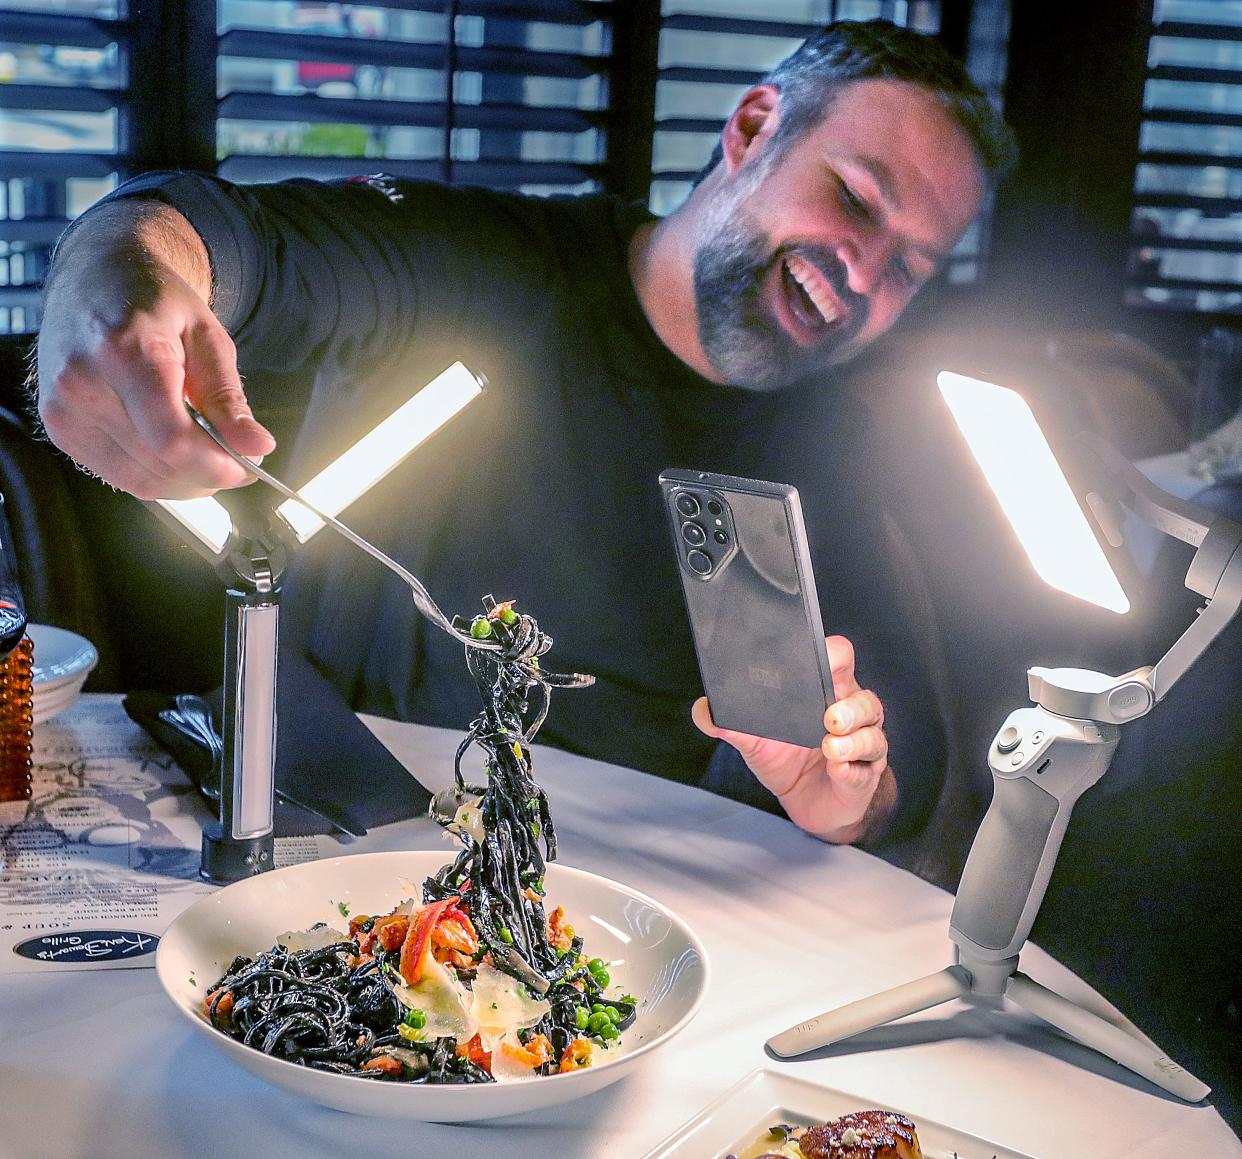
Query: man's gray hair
{"points": [[848, 51]]}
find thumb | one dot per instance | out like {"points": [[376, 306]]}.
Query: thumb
{"points": [[213, 386]]}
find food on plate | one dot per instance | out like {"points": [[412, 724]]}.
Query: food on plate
{"points": [[481, 979], [858, 1135]]}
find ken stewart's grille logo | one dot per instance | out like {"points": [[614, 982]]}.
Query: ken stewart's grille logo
{"points": [[88, 946]]}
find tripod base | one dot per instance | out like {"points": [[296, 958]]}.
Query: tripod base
{"points": [[1122, 1045]]}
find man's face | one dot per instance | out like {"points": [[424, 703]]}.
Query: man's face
{"points": [[803, 261]]}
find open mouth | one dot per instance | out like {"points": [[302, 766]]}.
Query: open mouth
{"points": [[811, 308]]}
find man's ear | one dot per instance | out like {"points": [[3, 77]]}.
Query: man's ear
{"points": [[756, 118]]}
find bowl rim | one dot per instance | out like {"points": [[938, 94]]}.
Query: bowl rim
{"points": [[79, 664], [445, 1090]]}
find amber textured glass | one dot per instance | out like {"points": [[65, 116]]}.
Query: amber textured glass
{"points": [[16, 721]]}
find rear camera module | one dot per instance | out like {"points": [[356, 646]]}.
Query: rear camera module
{"points": [[687, 504], [693, 534], [699, 562]]}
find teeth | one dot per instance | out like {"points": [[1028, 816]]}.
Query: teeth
{"points": [[812, 281]]}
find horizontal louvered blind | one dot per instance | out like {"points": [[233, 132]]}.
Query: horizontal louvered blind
{"points": [[516, 96], [1186, 227], [712, 51], [64, 120]]}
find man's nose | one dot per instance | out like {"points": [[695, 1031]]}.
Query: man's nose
{"points": [[866, 261]]}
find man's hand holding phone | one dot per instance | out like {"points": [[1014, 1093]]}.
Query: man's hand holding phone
{"points": [[844, 790]]}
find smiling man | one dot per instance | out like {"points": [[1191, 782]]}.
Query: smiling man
{"points": [[616, 344]]}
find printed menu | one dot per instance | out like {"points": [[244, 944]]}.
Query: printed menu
{"points": [[106, 852]]}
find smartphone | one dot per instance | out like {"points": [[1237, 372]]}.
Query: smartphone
{"points": [[750, 594]]}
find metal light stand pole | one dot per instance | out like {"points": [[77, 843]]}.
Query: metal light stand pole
{"points": [[252, 563], [1042, 760], [242, 841]]}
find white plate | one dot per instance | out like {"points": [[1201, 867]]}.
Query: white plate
{"points": [[654, 956], [742, 1114], [62, 662]]}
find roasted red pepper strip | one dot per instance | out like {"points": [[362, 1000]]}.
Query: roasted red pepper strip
{"points": [[417, 942], [473, 1050]]}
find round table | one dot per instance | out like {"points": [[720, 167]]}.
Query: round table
{"points": [[97, 1065]]}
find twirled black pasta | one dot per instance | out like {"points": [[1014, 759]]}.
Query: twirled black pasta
{"points": [[314, 1008], [500, 878]]}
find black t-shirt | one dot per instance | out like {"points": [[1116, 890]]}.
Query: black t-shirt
{"points": [[544, 490]]}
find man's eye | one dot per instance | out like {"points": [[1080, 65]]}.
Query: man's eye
{"points": [[902, 271], [852, 202]]}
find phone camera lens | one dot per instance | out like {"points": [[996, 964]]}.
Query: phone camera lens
{"points": [[714, 507], [693, 534], [699, 561], [720, 537], [687, 504]]}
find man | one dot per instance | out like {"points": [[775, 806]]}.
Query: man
{"points": [[616, 344]]}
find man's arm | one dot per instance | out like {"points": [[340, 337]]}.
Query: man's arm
{"points": [[127, 334]]}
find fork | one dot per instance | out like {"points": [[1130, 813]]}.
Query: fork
{"points": [[422, 598]]}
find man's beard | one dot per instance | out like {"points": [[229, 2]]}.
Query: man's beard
{"points": [[742, 339]]}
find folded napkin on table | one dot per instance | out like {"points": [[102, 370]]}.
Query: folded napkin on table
{"points": [[332, 773]]}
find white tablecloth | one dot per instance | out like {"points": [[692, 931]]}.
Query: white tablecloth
{"points": [[99, 1065]]}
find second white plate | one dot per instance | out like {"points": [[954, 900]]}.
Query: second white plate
{"points": [[62, 662], [739, 1118], [60, 657]]}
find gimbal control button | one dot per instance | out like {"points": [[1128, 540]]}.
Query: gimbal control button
{"points": [[1129, 700], [1009, 739]]}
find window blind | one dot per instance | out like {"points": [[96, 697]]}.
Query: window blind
{"points": [[1186, 227], [64, 131], [511, 94]]}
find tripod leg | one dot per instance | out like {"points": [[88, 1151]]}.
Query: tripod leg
{"points": [[1113, 1041], [868, 1013]]}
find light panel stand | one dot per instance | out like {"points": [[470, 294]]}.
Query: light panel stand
{"points": [[1042, 760], [247, 543], [242, 841]]}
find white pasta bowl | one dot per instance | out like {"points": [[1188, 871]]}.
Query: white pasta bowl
{"points": [[653, 955]]}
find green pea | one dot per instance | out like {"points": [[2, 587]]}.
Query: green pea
{"points": [[415, 1018], [596, 1007], [613, 1013], [481, 628], [609, 1032], [504, 934], [509, 616], [581, 1017], [597, 1022]]}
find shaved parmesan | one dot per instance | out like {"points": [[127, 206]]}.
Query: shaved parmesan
{"points": [[444, 1000], [502, 1004], [295, 941]]}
